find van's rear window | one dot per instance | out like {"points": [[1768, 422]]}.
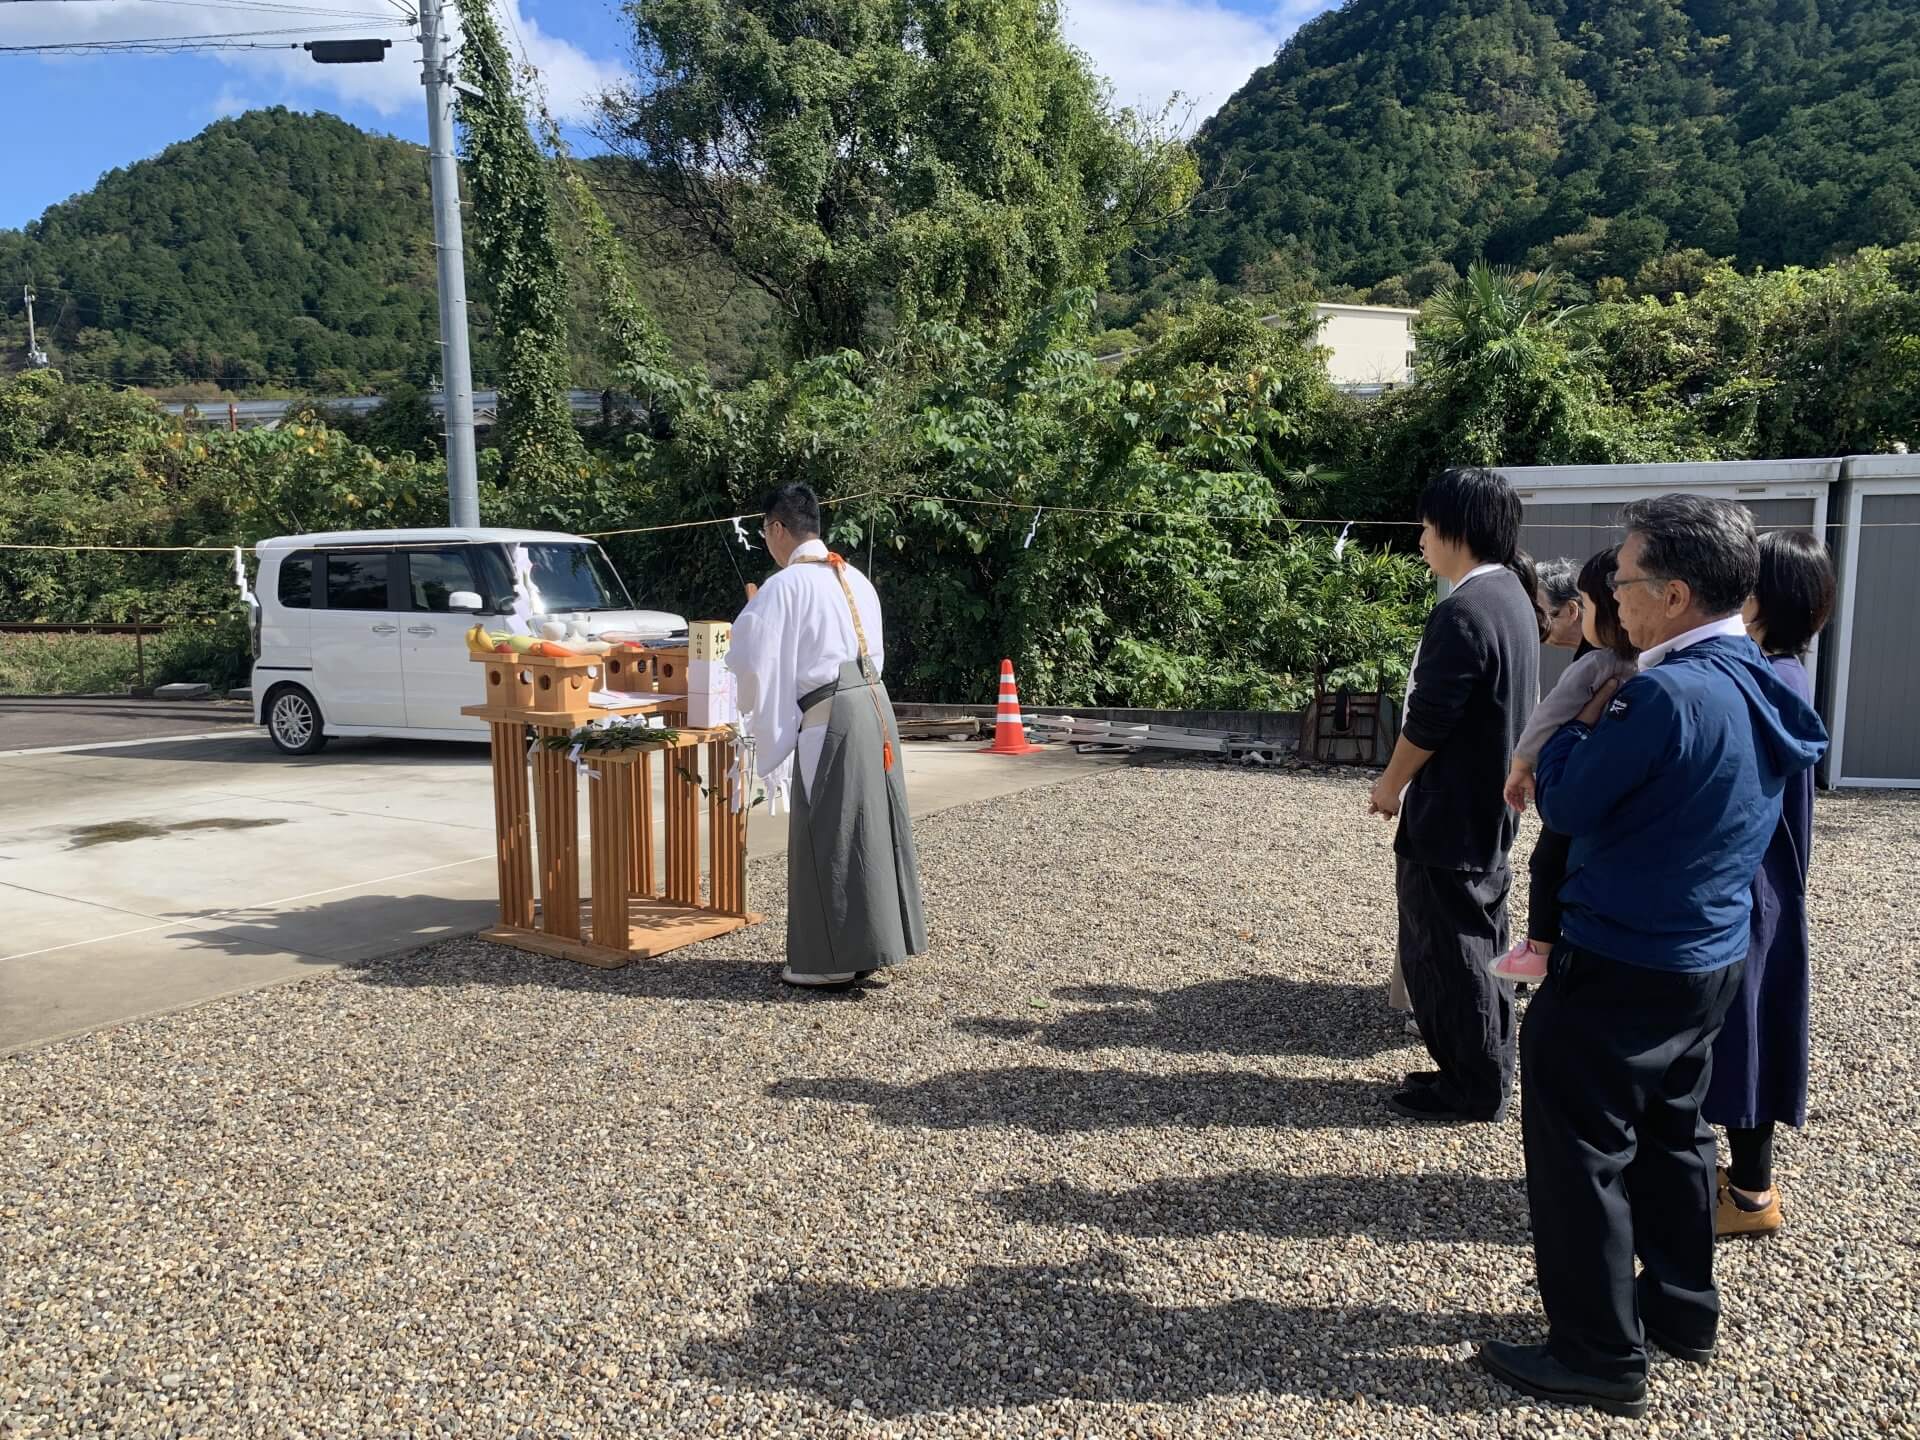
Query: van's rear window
{"points": [[296, 581]]}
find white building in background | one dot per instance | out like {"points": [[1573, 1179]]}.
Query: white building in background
{"points": [[1368, 345]]}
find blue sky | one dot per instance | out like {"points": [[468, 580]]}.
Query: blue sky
{"points": [[72, 119]]}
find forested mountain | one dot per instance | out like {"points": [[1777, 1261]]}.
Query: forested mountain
{"points": [[1393, 134], [275, 249], [293, 252]]}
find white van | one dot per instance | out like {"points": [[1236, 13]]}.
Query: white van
{"points": [[363, 632]]}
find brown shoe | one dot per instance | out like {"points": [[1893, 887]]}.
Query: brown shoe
{"points": [[1731, 1218]]}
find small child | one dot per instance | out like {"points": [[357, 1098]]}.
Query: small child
{"points": [[1607, 655]]}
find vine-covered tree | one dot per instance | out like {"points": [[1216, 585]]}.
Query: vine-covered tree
{"points": [[520, 265], [866, 161]]}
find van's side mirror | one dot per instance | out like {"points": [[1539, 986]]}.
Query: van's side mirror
{"points": [[465, 600]]}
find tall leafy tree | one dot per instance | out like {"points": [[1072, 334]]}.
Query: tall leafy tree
{"points": [[867, 161]]}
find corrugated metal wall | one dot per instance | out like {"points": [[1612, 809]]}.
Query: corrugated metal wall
{"points": [[1881, 738]]}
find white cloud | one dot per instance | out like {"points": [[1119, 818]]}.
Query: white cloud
{"points": [[231, 101], [1205, 51], [572, 78]]}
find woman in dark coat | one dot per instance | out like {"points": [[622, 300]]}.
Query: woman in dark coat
{"points": [[1760, 1059]]}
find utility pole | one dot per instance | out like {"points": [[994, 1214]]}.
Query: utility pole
{"points": [[456, 364], [36, 357]]}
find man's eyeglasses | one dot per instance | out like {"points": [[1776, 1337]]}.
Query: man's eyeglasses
{"points": [[1616, 580]]}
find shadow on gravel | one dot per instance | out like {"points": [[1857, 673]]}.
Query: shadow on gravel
{"points": [[1030, 1336], [1256, 1015], [1066, 1102], [678, 977], [1301, 1207]]}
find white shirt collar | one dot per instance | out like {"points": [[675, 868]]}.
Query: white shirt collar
{"points": [[809, 550], [1726, 625], [1477, 571]]}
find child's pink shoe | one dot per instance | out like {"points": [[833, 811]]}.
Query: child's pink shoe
{"points": [[1522, 962]]}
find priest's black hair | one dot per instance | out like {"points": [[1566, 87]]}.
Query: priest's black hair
{"points": [[795, 506]]}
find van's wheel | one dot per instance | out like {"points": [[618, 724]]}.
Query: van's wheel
{"points": [[293, 721]]}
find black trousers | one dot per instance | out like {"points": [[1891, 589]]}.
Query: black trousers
{"points": [[1453, 923], [1614, 1063], [1546, 872]]}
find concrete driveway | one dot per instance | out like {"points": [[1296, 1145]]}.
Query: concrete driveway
{"points": [[149, 876], [30, 721]]}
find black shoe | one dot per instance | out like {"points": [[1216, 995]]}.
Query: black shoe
{"points": [[1421, 1103], [1532, 1370], [1692, 1354], [1667, 1340], [1415, 1079], [829, 987]]}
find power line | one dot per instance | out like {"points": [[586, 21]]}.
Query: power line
{"points": [[173, 44], [506, 8], [827, 504], [264, 6]]}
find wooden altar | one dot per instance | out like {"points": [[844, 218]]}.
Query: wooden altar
{"points": [[646, 894]]}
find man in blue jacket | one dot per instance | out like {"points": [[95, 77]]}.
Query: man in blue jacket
{"points": [[1670, 789]]}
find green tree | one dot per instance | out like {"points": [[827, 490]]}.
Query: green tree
{"points": [[1506, 378], [1494, 324], [1777, 363], [875, 161], [1631, 243]]}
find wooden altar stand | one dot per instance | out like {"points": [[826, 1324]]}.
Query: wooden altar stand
{"points": [[646, 899]]}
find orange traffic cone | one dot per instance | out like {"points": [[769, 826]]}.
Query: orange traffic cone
{"points": [[1009, 734]]}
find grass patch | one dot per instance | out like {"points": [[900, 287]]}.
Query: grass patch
{"points": [[82, 664], [67, 664]]}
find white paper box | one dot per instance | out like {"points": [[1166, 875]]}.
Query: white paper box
{"points": [[717, 702], [710, 677]]}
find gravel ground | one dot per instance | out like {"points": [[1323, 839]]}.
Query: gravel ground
{"points": [[1111, 1161]]}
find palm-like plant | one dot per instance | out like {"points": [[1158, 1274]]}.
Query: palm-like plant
{"points": [[1493, 320]]}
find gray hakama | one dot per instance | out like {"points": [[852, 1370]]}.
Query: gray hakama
{"points": [[853, 878]]}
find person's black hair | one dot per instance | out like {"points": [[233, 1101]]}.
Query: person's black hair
{"points": [[1475, 507], [1559, 580], [1594, 576], [795, 506], [1794, 591], [1709, 544]]}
